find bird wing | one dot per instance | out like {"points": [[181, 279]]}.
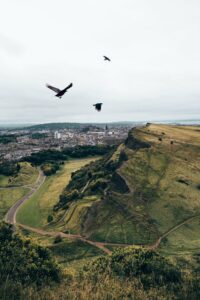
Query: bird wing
{"points": [[53, 88], [106, 58], [69, 86]]}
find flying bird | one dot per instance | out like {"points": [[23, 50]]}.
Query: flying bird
{"points": [[106, 58], [98, 106], [59, 93]]}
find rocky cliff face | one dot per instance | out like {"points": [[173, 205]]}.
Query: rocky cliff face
{"points": [[134, 143]]}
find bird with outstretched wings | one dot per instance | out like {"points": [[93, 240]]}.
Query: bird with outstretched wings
{"points": [[59, 93]]}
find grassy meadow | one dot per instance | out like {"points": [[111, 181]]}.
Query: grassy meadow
{"points": [[8, 197], [14, 188], [72, 254], [36, 210]]}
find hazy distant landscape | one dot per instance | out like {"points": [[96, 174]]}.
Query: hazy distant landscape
{"points": [[74, 125]]}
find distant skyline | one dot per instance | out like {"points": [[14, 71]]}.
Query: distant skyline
{"points": [[154, 73]]}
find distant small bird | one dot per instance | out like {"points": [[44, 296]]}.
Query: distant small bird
{"points": [[98, 106], [59, 92], [106, 58]]}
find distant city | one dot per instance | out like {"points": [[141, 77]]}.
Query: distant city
{"points": [[18, 143]]}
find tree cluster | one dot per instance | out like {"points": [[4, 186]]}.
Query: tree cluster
{"points": [[50, 168], [9, 168], [75, 152]]}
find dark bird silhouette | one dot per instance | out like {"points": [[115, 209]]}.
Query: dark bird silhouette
{"points": [[59, 93], [98, 106], [106, 58]]}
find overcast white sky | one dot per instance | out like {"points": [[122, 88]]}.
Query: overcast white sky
{"points": [[154, 46]]}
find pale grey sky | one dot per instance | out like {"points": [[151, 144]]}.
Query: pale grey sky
{"points": [[154, 46]]}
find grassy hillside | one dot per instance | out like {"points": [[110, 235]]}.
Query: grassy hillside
{"points": [[8, 197], [149, 185], [13, 188], [36, 210]]}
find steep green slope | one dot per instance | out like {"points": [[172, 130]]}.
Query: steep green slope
{"points": [[149, 185], [13, 188], [36, 210]]}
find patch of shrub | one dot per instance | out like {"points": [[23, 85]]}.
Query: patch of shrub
{"points": [[58, 239], [50, 168], [67, 197], [49, 218], [98, 186], [23, 262], [146, 265]]}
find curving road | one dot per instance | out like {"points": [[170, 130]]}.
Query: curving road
{"points": [[11, 214], [11, 218]]}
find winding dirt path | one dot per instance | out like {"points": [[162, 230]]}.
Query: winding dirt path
{"points": [[99, 245], [11, 218], [174, 228], [102, 245]]}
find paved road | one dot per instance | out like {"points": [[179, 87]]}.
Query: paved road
{"points": [[11, 214], [11, 218]]}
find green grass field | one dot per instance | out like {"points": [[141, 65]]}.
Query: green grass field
{"points": [[183, 241], [8, 197], [14, 188], [71, 254], [74, 254], [36, 210]]}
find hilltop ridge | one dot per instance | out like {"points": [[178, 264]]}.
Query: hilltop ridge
{"points": [[138, 192]]}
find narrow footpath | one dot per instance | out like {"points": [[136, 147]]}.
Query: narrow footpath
{"points": [[11, 218]]}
